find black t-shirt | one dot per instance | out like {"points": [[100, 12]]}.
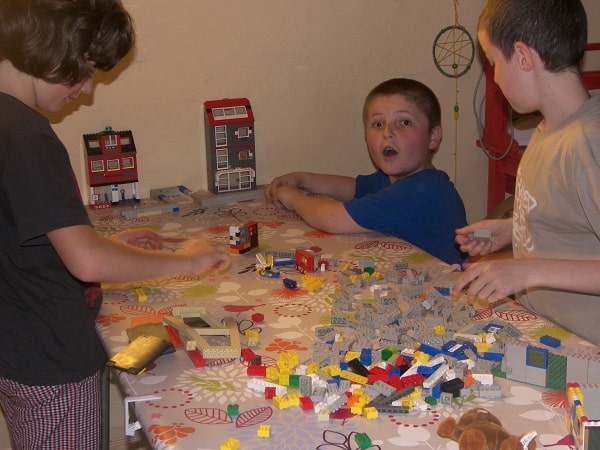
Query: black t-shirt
{"points": [[47, 328]]}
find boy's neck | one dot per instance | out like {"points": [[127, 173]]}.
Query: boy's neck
{"points": [[565, 93], [16, 83]]}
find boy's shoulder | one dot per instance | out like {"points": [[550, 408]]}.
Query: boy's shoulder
{"points": [[16, 115]]}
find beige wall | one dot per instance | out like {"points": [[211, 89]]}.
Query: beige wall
{"points": [[306, 67]]}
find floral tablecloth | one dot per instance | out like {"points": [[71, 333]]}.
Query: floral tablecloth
{"points": [[192, 410]]}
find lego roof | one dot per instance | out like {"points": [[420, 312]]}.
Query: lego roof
{"points": [[228, 111]]}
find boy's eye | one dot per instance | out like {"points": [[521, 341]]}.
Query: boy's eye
{"points": [[377, 124]]}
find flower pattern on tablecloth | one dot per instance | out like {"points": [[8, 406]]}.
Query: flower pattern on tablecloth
{"points": [[222, 385], [193, 411]]}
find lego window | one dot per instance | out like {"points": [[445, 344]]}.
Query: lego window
{"points": [[110, 140], [125, 140], [112, 164], [233, 112], [222, 159], [94, 144], [243, 132], [127, 163], [245, 155], [97, 166], [537, 357], [221, 136]]}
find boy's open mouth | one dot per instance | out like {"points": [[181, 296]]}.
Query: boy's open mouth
{"points": [[389, 151]]}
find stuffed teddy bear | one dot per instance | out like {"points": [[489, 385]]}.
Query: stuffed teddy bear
{"points": [[479, 429]]}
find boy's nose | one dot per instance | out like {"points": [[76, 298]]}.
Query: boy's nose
{"points": [[390, 130]]}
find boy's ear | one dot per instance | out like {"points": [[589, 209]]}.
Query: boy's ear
{"points": [[523, 55], [435, 138]]}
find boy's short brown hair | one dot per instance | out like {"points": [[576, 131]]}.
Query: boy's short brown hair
{"points": [[415, 92], [555, 29]]}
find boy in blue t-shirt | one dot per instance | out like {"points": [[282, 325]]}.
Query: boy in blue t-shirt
{"points": [[406, 197]]}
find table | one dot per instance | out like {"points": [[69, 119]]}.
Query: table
{"points": [[192, 405]]}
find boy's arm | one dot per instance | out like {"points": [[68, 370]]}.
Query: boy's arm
{"points": [[92, 258], [322, 213], [339, 187], [495, 279]]}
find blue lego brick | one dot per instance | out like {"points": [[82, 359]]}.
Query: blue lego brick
{"points": [[366, 356], [396, 371], [426, 370], [550, 341], [429, 350], [443, 291], [492, 356]]}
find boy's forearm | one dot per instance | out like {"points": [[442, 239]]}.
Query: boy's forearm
{"points": [[570, 275], [324, 214], [339, 187]]}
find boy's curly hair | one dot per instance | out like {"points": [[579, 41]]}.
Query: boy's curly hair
{"points": [[64, 41]]}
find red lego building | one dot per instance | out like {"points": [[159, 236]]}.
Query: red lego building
{"points": [[111, 162]]}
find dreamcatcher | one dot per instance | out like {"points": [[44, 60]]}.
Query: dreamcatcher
{"points": [[453, 54]]}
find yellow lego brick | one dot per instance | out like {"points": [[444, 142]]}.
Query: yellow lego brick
{"points": [[482, 347], [280, 402], [264, 431], [357, 409], [416, 393], [359, 379], [230, 444], [406, 402], [439, 330], [284, 378], [421, 357], [349, 356], [294, 399], [370, 412], [141, 295], [272, 374], [332, 371], [312, 368]]}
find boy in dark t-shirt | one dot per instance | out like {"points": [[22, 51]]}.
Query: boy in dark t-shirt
{"points": [[51, 259]]}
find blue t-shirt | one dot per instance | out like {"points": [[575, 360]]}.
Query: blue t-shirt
{"points": [[424, 209]]}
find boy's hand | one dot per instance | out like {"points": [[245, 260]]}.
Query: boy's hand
{"points": [[501, 236], [140, 237], [283, 195], [205, 255], [494, 280], [292, 179]]}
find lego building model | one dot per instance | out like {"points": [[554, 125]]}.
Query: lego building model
{"points": [[194, 324], [243, 238], [111, 167], [583, 414], [230, 152]]}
